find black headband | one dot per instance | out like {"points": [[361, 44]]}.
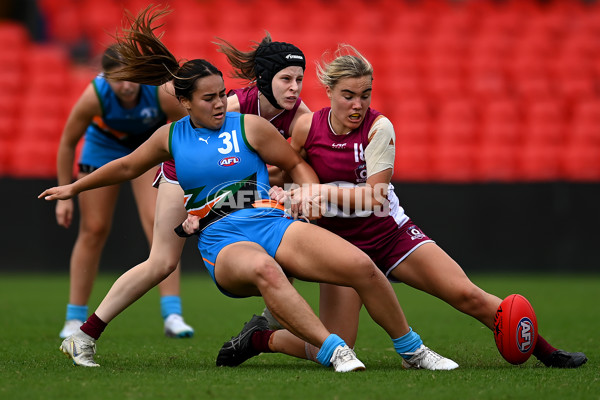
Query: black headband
{"points": [[272, 58]]}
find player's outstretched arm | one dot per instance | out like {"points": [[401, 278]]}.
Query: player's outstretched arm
{"points": [[149, 154]]}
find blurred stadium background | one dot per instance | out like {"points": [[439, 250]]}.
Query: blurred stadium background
{"points": [[496, 107]]}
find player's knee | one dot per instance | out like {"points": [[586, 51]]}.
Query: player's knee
{"points": [[365, 269], [167, 268], [471, 300], [94, 231], [163, 265], [268, 273]]}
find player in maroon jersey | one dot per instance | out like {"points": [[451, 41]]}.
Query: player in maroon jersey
{"points": [[351, 147]]}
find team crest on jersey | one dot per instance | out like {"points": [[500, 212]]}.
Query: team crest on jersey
{"points": [[361, 173], [229, 161], [525, 335], [415, 233]]}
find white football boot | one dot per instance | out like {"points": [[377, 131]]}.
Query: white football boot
{"points": [[175, 327], [71, 326], [81, 348], [344, 360], [425, 358]]}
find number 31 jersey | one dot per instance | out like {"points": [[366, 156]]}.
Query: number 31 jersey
{"points": [[216, 166]]}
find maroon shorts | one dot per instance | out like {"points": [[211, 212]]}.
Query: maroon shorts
{"points": [[392, 250], [166, 170]]}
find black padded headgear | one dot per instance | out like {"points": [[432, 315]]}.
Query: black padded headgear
{"points": [[272, 58]]}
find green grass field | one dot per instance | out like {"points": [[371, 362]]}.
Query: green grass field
{"points": [[138, 362]]}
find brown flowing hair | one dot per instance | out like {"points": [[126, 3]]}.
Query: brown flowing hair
{"points": [[146, 60], [242, 61]]}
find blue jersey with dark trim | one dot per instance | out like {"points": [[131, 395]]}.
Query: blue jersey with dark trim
{"points": [[129, 127]]}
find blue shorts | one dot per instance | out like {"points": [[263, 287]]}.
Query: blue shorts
{"points": [[99, 150], [264, 226]]}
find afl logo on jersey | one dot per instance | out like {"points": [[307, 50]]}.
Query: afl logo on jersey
{"points": [[229, 161], [525, 334]]}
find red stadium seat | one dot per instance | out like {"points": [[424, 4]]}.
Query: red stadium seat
{"points": [[496, 163], [13, 35], [102, 19], [534, 44], [500, 132], [48, 126], [65, 24], [9, 103], [582, 163], [405, 82], [485, 78], [587, 111], [544, 122], [444, 76], [501, 110], [539, 163], [455, 123], [530, 79], [12, 81], [47, 59], [492, 44], [8, 123], [573, 76], [5, 156], [411, 19], [33, 159], [412, 122], [584, 134], [412, 163], [453, 163]]}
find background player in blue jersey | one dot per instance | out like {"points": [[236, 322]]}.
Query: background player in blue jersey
{"points": [[116, 117], [242, 261]]}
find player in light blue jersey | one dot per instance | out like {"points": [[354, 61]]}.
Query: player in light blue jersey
{"points": [[249, 245], [115, 117]]}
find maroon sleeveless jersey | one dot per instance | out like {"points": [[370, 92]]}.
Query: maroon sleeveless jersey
{"points": [[339, 160]]}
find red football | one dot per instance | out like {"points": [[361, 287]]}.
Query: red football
{"points": [[515, 329]]}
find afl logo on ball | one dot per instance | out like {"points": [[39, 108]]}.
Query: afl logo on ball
{"points": [[229, 161], [525, 334]]}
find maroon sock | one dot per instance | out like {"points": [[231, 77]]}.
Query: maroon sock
{"points": [[94, 326], [542, 348], [260, 341]]}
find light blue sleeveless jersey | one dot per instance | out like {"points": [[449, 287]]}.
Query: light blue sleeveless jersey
{"points": [[217, 169], [221, 176]]}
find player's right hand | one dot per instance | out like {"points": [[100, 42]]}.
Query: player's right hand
{"points": [[58, 193], [191, 224]]}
